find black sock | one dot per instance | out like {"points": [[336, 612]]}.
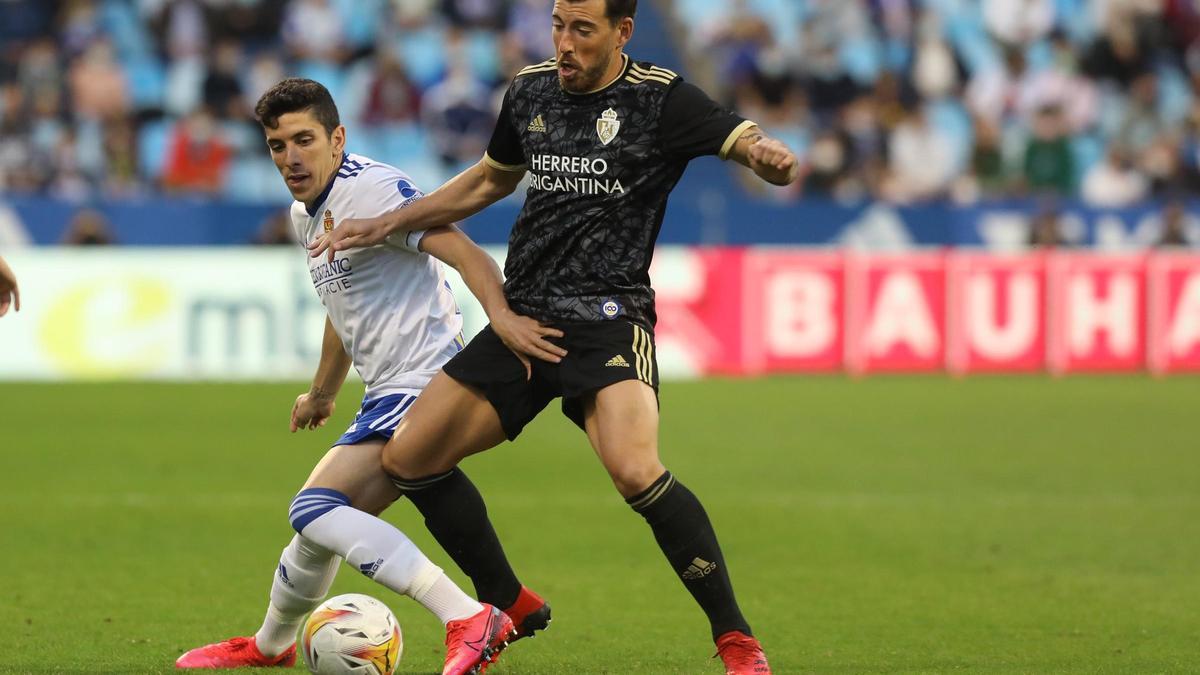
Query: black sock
{"points": [[457, 517], [687, 539]]}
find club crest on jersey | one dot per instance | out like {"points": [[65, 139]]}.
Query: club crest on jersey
{"points": [[607, 126], [328, 220]]}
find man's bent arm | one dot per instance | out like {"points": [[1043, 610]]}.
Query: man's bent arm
{"points": [[525, 336], [468, 193], [768, 158], [333, 367]]}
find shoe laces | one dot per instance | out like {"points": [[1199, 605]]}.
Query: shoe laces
{"points": [[236, 644], [455, 630]]}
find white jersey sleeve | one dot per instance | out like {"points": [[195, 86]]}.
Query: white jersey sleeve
{"points": [[299, 219], [390, 305], [385, 189]]}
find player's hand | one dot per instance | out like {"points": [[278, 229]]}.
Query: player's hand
{"points": [[350, 233], [9, 293], [311, 411], [527, 338], [769, 156]]}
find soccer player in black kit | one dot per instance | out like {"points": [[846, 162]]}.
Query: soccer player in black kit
{"points": [[605, 139]]}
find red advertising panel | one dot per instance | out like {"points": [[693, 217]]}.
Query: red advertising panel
{"points": [[1174, 313], [896, 313], [1097, 308], [699, 301], [793, 314], [997, 313]]}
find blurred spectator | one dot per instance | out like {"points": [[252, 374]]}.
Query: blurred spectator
{"points": [[199, 156], [487, 14], [459, 116], [88, 104], [1179, 228], [40, 70], [921, 160], [312, 29], [995, 93], [935, 70], [120, 159], [1114, 182], [989, 173], [80, 25], [1121, 55], [99, 90], [266, 70], [222, 85], [1016, 23], [1046, 231], [527, 28], [1049, 164], [69, 181], [88, 228], [391, 96]]}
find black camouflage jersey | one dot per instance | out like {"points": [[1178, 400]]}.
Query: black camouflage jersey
{"points": [[601, 167]]}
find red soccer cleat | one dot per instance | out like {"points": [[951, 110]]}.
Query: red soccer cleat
{"points": [[529, 614], [474, 643], [238, 652], [742, 654]]}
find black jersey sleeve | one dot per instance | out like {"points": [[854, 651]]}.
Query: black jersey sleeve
{"points": [[504, 152], [694, 125]]}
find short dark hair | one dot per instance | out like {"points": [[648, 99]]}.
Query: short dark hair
{"points": [[296, 94], [615, 10]]}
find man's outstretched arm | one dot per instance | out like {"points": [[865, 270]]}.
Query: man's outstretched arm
{"points": [[768, 158], [464, 195]]}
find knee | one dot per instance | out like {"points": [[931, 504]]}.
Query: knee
{"points": [[312, 503], [403, 464], [631, 478]]}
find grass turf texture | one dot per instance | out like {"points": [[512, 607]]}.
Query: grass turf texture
{"points": [[908, 524]]}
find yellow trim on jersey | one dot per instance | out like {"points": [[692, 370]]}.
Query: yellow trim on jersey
{"points": [[501, 166], [643, 354], [733, 137], [548, 64], [636, 78], [655, 70]]}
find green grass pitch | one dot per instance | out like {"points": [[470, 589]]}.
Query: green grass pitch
{"points": [[890, 525]]}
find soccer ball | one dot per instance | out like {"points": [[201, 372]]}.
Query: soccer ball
{"points": [[352, 633]]}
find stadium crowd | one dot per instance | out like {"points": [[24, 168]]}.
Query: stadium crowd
{"points": [[898, 100]]}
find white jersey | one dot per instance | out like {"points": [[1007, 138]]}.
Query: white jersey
{"points": [[390, 305]]}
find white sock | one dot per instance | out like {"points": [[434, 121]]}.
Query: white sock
{"points": [[301, 581], [381, 552], [445, 599]]}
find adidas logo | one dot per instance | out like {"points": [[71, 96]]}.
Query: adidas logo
{"points": [[283, 576], [369, 569], [617, 361], [538, 125], [699, 569]]}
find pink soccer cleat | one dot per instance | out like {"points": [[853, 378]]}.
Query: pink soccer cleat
{"points": [[742, 654], [474, 643], [238, 652]]}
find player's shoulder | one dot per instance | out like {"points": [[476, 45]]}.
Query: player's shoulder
{"points": [[646, 74], [298, 211], [364, 172]]}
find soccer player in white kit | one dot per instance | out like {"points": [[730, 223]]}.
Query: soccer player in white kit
{"points": [[392, 316]]}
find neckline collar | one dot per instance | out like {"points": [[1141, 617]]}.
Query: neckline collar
{"points": [[325, 193], [624, 68]]}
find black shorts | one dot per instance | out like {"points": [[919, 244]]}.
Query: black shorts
{"points": [[599, 353]]}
